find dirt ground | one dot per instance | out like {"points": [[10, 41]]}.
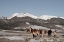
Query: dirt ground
{"points": [[26, 37], [7, 40]]}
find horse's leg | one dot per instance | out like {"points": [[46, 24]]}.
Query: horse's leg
{"points": [[31, 35], [42, 33], [38, 33]]}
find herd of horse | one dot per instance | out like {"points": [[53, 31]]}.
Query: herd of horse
{"points": [[37, 32]]}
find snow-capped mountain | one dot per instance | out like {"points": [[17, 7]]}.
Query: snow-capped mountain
{"points": [[45, 17], [23, 15]]}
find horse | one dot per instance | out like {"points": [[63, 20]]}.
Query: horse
{"points": [[37, 31], [43, 33]]}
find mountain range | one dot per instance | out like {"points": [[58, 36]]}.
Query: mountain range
{"points": [[25, 20]]}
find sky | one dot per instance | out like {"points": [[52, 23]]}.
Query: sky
{"points": [[35, 7]]}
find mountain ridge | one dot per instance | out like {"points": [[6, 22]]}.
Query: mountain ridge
{"points": [[45, 17]]}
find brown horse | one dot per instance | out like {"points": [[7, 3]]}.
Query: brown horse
{"points": [[43, 33]]}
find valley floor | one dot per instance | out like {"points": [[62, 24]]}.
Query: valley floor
{"points": [[23, 36]]}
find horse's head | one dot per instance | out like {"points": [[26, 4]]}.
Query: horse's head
{"points": [[30, 29]]}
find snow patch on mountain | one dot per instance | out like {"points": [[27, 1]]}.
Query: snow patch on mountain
{"points": [[27, 23], [45, 17], [38, 27], [59, 26], [62, 17], [23, 15]]}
